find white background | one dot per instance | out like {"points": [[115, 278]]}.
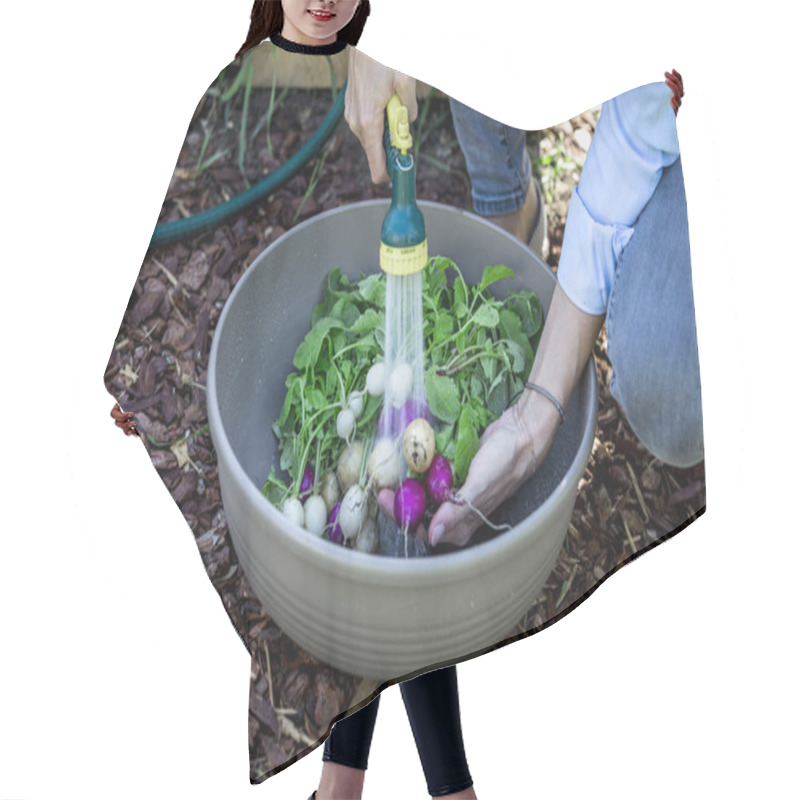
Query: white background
{"points": [[120, 674]]}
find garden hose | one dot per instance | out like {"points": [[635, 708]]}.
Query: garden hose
{"points": [[171, 232]]}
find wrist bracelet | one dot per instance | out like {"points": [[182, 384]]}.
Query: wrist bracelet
{"points": [[542, 391]]}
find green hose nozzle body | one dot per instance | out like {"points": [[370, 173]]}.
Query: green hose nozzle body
{"points": [[404, 225], [404, 245]]}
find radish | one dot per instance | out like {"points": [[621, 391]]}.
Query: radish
{"points": [[384, 468], [349, 465], [356, 403], [307, 483], [419, 408], [345, 423], [395, 420], [330, 490], [352, 512], [409, 504], [439, 480], [367, 539], [375, 379], [315, 515], [400, 384], [293, 509], [333, 524], [419, 445]]}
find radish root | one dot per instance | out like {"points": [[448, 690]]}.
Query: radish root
{"points": [[460, 501]]}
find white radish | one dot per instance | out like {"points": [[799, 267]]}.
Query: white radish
{"points": [[356, 404], [316, 515], [293, 509], [375, 379], [385, 466], [367, 539], [330, 491], [352, 512], [400, 384], [345, 423], [348, 468], [419, 445]]}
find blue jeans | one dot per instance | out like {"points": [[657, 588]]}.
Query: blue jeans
{"points": [[652, 342], [497, 161]]}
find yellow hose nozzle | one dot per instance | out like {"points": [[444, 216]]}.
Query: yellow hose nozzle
{"points": [[398, 124]]}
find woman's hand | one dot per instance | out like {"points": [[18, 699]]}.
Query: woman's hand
{"points": [[124, 420], [517, 443], [509, 451], [675, 83], [504, 461], [369, 87]]}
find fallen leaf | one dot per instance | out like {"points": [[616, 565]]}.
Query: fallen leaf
{"points": [[129, 374], [181, 452]]}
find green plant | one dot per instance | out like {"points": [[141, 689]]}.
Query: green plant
{"points": [[550, 167]]}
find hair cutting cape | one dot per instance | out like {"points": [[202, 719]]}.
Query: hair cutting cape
{"points": [[280, 283]]}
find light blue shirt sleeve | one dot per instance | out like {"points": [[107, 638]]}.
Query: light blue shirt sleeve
{"points": [[636, 137]]}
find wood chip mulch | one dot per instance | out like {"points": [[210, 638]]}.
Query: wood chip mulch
{"points": [[627, 500]]}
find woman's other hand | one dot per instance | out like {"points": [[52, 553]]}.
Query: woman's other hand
{"points": [[515, 445], [369, 87], [509, 451], [504, 461]]}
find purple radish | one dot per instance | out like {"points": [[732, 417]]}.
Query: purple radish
{"points": [[422, 409], [333, 522], [307, 484], [439, 480], [393, 421], [409, 504]]}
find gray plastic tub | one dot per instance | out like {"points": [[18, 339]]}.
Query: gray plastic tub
{"points": [[366, 614]]}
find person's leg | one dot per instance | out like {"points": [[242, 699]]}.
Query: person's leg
{"points": [[345, 755], [652, 340], [433, 711], [503, 187]]}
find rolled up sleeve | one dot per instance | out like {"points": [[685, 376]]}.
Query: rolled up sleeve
{"points": [[636, 138]]}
